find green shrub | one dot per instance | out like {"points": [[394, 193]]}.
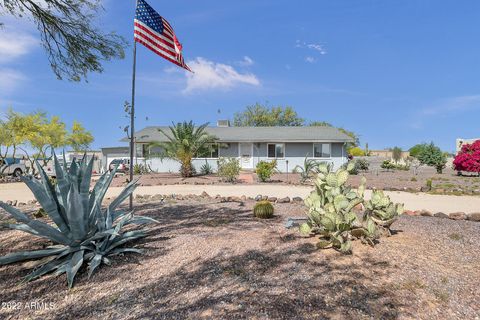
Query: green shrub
{"points": [[263, 210], [265, 170], [388, 165], [429, 184], [356, 152], [81, 232], [228, 169], [417, 149], [140, 168], [362, 164], [431, 155], [403, 167]]}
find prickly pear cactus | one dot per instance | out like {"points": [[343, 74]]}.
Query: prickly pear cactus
{"points": [[330, 209], [263, 210], [382, 210]]}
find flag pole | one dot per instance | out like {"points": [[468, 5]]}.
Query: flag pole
{"points": [[132, 114]]}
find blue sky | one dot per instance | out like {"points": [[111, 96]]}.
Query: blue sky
{"points": [[395, 72]]}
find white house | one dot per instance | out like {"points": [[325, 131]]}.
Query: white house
{"points": [[288, 145]]}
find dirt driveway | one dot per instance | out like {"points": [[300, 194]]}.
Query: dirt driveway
{"points": [[412, 201]]}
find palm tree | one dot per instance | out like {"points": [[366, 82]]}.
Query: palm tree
{"points": [[185, 142]]}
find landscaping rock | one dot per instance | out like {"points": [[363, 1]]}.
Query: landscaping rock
{"points": [[441, 215], [272, 199], [205, 195], [457, 216], [9, 202], [475, 216], [258, 197], [284, 200], [411, 213], [426, 213], [265, 198], [157, 197], [297, 199], [243, 198]]}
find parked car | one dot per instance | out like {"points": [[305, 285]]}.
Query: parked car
{"points": [[12, 166], [123, 165]]}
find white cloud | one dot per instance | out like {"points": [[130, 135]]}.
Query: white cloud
{"points": [[14, 45], [246, 62], [319, 48], [446, 108], [210, 75], [10, 79]]}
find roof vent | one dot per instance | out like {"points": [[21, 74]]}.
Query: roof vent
{"points": [[223, 123]]}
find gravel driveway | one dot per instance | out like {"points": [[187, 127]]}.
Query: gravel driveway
{"points": [[412, 201]]}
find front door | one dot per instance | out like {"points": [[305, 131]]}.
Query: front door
{"points": [[246, 155]]}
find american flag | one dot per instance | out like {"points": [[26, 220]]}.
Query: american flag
{"points": [[155, 33]]}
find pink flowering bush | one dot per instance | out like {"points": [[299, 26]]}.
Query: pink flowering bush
{"points": [[468, 159]]}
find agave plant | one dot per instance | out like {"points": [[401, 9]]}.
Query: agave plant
{"points": [[309, 169], [81, 231]]}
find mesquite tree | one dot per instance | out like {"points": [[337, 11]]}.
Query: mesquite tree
{"points": [[74, 45]]}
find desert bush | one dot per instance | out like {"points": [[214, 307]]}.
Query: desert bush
{"points": [[228, 169], [265, 169], [468, 159], [263, 210], [332, 216], [417, 149], [309, 169], [357, 152], [431, 155], [206, 168], [82, 233], [362, 164], [403, 167], [140, 168], [387, 165], [429, 184], [396, 154]]}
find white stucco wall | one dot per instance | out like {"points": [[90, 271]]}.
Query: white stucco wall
{"points": [[294, 153]]}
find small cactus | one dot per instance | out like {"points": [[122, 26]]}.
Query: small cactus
{"points": [[263, 210]]}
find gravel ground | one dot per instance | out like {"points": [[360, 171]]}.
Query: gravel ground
{"points": [[210, 260], [445, 183]]}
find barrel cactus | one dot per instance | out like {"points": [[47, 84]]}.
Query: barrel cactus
{"points": [[263, 210], [81, 232]]}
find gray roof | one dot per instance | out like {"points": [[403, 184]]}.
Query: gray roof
{"points": [[255, 134]]}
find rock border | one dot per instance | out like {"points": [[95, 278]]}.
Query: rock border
{"points": [[473, 216]]}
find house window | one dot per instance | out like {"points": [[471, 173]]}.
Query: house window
{"points": [[322, 150], [211, 151], [276, 150]]}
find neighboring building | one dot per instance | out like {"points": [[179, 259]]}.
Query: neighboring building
{"points": [[461, 142], [288, 145], [387, 154], [96, 154]]}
